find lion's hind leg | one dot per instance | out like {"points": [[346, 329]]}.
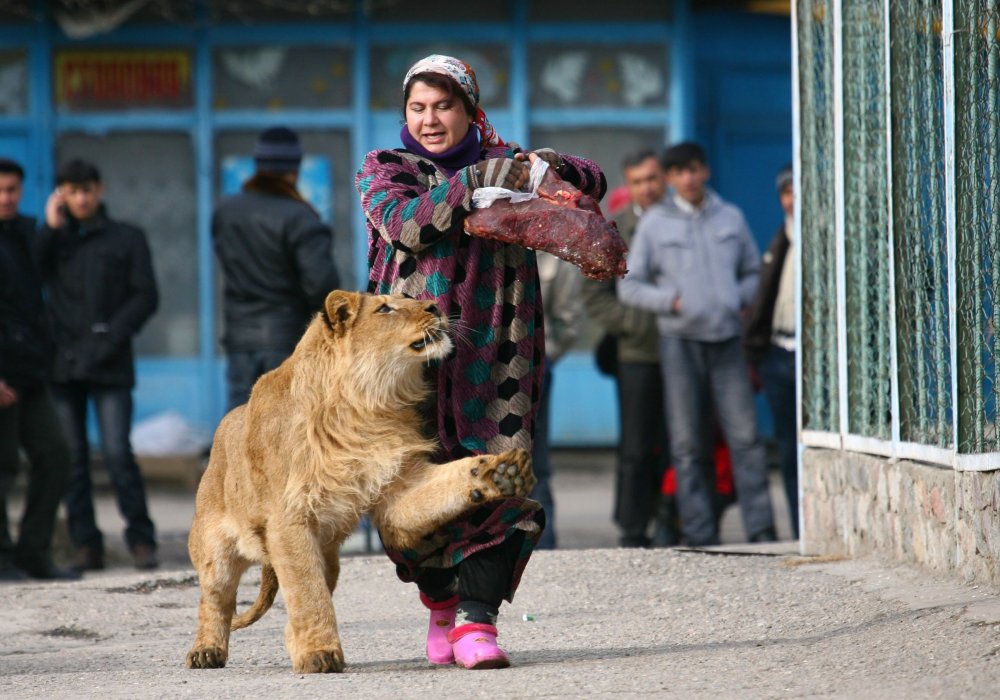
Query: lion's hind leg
{"points": [[220, 566]]}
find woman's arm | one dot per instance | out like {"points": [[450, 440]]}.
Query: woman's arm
{"points": [[585, 175], [404, 211]]}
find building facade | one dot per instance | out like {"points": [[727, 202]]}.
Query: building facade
{"points": [[167, 98]]}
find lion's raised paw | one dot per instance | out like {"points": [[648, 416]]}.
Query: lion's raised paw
{"points": [[503, 476]]}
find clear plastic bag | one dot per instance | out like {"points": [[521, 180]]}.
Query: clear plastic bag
{"points": [[483, 197]]}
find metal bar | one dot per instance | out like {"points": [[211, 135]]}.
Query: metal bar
{"points": [[891, 233], [977, 463], [797, 248], [520, 83], [831, 347], [840, 268], [822, 438], [915, 363], [681, 124], [989, 194], [948, 70], [970, 248], [360, 135], [204, 160], [868, 445], [943, 129], [864, 263]]}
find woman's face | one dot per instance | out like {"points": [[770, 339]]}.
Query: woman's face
{"points": [[434, 118]]}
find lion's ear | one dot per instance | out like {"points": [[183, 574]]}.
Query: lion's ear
{"points": [[340, 310]]}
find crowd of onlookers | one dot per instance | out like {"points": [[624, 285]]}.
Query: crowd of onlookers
{"points": [[699, 323]]}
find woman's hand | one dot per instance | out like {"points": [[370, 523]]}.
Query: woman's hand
{"points": [[554, 160], [508, 173]]}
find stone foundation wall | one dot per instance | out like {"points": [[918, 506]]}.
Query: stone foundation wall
{"points": [[947, 520]]}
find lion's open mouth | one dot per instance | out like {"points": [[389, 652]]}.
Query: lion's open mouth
{"points": [[431, 336]]}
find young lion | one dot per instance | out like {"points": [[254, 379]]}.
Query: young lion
{"points": [[331, 434]]}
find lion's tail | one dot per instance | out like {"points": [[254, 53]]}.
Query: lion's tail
{"points": [[268, 589]]}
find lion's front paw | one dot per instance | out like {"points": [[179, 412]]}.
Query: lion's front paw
{"points": [[503, 476], [206, 657], [320, 661]]}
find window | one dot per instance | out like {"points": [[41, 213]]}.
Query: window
{"points": [[390, 63], [598, 76], [149, 180], [281, 77], [13, 82]]}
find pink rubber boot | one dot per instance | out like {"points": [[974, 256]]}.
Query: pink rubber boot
{"points": [[475, 647], [442, 622]]}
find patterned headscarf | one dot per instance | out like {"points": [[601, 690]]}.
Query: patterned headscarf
{"points": [[462, 73]]}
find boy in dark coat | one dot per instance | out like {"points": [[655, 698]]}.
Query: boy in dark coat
{"points": [[27, 414], [101, 292]]}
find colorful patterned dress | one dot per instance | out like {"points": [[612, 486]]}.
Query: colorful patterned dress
{"points": [[488, 390]]}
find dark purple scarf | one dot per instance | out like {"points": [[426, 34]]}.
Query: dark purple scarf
{"points": [[465, 152]]}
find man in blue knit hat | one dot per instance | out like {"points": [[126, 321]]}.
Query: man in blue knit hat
{"points": [[277, 263]]}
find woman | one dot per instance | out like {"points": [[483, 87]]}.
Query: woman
{"points": [[416, 199]]}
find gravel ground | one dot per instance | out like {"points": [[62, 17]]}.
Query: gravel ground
{"points": [[606, 623]]}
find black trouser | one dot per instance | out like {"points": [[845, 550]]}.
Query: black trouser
{"points": [[643, 450], [32, 423], [481, 581], [113, 406]]}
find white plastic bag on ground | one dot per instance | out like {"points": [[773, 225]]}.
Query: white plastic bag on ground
{"points": [[168, 433]]}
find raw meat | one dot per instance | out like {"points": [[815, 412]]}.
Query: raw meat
{"points": [[562, 221]]}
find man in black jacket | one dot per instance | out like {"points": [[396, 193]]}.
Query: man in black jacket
{"points": [[27, 414], [101, 291], [769, 340], [276, 259]]}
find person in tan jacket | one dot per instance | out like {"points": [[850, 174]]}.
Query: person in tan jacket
{"points": [[643, 453]]}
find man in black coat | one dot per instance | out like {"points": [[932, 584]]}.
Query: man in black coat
{"points": [[769, 340], [101, 292], [27, 413], [276, 260]]}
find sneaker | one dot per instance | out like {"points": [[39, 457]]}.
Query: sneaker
{"points": [[144, 557], [88, 559]]}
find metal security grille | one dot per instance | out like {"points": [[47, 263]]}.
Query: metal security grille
{"points": [[918, 156], [819, 281], [977, 191], [866, 220]]}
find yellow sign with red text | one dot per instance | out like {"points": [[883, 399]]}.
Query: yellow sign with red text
{"points": [[122, 78]]}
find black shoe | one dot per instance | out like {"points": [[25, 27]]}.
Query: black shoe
{"points": [[665, 536], [88, 559], [144, 557], [10, 573], [633, 541], [767, 535], [51, 572]]}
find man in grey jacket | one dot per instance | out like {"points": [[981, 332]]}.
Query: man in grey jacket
{"points": [[276, 259], [695, 265]]}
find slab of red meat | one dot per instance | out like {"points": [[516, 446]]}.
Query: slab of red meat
{"points": [[562, 221]]}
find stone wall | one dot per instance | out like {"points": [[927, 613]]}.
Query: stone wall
{"points": [[947, 520]]}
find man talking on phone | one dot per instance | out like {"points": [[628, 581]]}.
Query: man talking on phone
{"points": [[101, 292]]}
